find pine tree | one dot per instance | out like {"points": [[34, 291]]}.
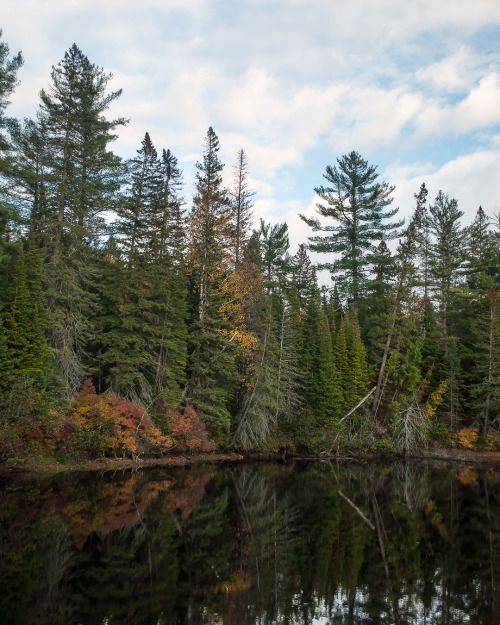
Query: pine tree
{"points": [[121, 346], [424, 242], [432, 348], [6, 364], [140, 203], [376, 307], [168, 346], [358, 206]]}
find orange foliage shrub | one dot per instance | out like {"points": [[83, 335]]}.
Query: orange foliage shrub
{"points": [[106, 424], [467, 438], [188, 431]]}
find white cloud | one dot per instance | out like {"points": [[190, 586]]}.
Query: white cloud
{"points": [[372, 115], [455, 72], [471, 179], [283, 79], [479, 109]]}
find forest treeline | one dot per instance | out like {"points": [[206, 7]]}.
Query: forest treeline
{"points": [[136, 320]]}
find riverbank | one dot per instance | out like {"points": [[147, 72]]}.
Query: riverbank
{"points": [[50, 465]]}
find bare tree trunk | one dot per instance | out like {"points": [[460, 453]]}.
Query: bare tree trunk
{"points": [[380, 379]]}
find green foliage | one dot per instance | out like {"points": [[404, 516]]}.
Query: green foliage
{"points": [[274, 244], [358, 206], [170, 310]]}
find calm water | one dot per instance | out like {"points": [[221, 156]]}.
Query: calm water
{"points": [[259, 544]]}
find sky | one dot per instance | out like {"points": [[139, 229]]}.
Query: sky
{"points": [[413, 86]]}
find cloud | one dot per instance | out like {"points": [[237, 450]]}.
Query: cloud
{"points": [[373, 116], [292, 82], [455, 72], [467, 178], [478, 110]]}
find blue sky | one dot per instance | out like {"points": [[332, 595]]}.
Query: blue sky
{"points": [[414, 86]]}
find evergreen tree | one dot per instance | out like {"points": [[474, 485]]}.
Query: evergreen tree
{"points": [[424, 242], [80, 182], [321, 382], [376, 307], [240, 209], [274, 244], [8, 81], [358, 366], [25, 314], [303, 273], [358, 206], [485, 392], [142, 344], [212, 368], [447, 255], [287, 317], [121, 346], [482, 255], [6, 364], [342, 362], [402, 317], [432, 348], [140, 204]]}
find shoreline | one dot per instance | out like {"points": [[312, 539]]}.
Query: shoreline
{"points": [[51, 466]]}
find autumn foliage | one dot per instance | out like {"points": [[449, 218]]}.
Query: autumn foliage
{"points": [[188, 431], [107, 425]]}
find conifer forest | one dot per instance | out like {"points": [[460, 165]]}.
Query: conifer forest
{"points": [[137, 320]]}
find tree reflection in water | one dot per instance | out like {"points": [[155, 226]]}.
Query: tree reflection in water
{"points": [[246, 544]]}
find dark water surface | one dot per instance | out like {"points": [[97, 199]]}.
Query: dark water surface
{"points": [[253, 544]]}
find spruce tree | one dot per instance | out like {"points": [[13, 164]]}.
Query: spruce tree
{"points": [[401, 318], [321, 381], [142, 343], [25, 314], [9, 68], [485, 391], [240, 209], [212, 367], [274, 244], [8, 81], [447, 254], [81, 179]]}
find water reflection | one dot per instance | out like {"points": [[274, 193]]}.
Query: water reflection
{"points": [[267, 544]]}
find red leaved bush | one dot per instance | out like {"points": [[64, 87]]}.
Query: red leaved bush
{"points": [[106, 424], [188, 431]]}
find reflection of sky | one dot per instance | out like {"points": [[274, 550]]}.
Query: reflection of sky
{"points": [[410, 609], [414, 87]]}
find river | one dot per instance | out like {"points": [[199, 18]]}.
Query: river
{"points": [[256, 544]]}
